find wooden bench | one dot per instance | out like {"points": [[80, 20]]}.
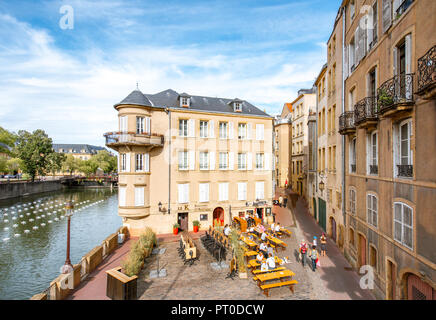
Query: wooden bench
{"points": [[274, 270], [266, 287], [190, 248]]}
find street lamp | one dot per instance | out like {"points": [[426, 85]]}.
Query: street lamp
{"points": [[321, 186], [68, 267]]}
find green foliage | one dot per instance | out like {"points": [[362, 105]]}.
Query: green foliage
{"points": [[71, 164], [105, 161], [88, 167], [196, 223], [3, 166], [238, 250], [8, 138], [33, 149], [176, 226], [55, 162], [384, 99], [13, 165]]}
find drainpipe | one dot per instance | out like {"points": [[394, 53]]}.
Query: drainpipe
{"points": [[316, 144], [343, 110], [168, 111]]}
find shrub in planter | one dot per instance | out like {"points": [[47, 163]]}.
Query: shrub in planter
{"points": [[176, 227], [239, 253], [196, 225]]}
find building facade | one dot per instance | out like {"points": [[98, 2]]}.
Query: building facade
{"points": [[184, 158], [389, 125], [282, 147], [301, 107], [79, 151]]}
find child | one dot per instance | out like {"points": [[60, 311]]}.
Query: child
{"points": [[323, 243]]}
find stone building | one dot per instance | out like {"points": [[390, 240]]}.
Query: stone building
{"points": [[184, 158], [389, 125], [282, 146]]}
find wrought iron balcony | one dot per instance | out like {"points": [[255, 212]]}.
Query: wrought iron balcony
{"points": [[427, 74], [403, 7], [353, 168], [405, 170], [396, 94], [366, 112], [373, 169], [346, 123], [114, 139]]}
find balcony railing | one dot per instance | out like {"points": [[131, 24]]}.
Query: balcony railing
{"points": [[353, 168], [403, 7], [373, 169], [395, 91], [427, 70], [405, 170], [132, 138], [366, 110], [346, 122]]}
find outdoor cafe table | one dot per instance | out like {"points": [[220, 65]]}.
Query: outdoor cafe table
{"points": [[279, 275], [277, 242], [242, 223], [249, 242]]}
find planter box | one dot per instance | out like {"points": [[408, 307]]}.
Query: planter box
{"points": [[243, 275], [120, 286]]}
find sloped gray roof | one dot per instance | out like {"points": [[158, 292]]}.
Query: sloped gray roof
{"points": [[77, 148], [170, 99]]}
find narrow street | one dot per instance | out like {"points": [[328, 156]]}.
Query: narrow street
{"points": [[332, 281]]}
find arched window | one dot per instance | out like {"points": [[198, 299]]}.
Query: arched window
{"points": [[403, 224]]}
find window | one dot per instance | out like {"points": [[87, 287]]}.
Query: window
{"points": [[183, 128], [353, 156], [122, 196], [203, 192], [242, 131], [184, 102], [139, 196], [371, 205], [242, 161], [402, 149], [373, 32], [183, 160], [403, 224], [125, 162], [203, 129], [142, 162], [183, 193], [223, 191], [352, 55], [353, 201], [352, 10], [223, 130], [123, 124], [373, 257], [372, 154], [259, 160], [204, 160], [260, 132], [238, 107], [260, 190], [351, 236], [223, 160], [140, 125], [334, 158], [242, 190]]}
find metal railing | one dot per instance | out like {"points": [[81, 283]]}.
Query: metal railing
{"points": [[353, 168], [427, 69], [373, 169], [133, 138], [396, 90], [346, 121], [405, 170], [366, 109], [403, 6]]}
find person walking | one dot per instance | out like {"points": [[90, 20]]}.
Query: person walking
{"points": [[285, 201], [280, 201], [303, 251], [315, 241], [323, 241], [314, 257]]}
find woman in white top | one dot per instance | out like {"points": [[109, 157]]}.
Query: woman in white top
{"points": [[264, 266], [273, 226], [259, 257], [271, 262], [277, 227], [263, 236]]}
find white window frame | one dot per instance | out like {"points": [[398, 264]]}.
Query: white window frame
{"points": [[238, 106], [204, 129], [140, 125], [260, 190], [183, 160], [183, 127], [184, 101], [204, 160], [183, 193], [397, 146], [123, 162], [260, 161], [260, 132], [203, 192], [242, 161], [242, 191], [122, 196], [242, 131], [139, 162], [401, 223], [139, 196], [223, 156], [371, 211], [223, 128], [352, 154], [352, 203], [372, 155], [223, 191]]}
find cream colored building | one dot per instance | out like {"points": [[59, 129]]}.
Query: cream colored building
{"points": [[184, 158], [301, 107], [282, 146]]}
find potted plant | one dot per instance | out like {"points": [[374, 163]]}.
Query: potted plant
{"points": [[176, 227], [196, 225]]}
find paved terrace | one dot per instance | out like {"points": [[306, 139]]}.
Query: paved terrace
{"points": [[202, 282]]}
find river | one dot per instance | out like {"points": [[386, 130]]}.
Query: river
{"points": [[32, 253]]}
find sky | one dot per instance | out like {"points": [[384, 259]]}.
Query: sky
{"points": [[66, 80]]}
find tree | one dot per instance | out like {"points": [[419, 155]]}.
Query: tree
{"points": [[3, 166], [70, 164], [13, 165], [55, 162], [33, 149], [105, 161], [88, 167], [7, 141]]}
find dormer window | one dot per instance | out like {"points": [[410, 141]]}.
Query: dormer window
{"points": [[185, 100], [238, 107]]}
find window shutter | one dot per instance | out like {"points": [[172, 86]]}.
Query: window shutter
{"points": [[267, 164], [122, 196], [346, 66], [394, 67], [249, 130], [370, 29], [147, 125], [387, 15], [119, 162], [180, 192], [191, 160], [123, 124], [147, 162], [139, 196], [356, 47], [212, 160], [408, 45], [230, 135], [226, 191], [231, 160], [211, 129], [127, 162], [249, 161], [191, 128]]}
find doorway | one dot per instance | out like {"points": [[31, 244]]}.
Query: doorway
{"points": [[333, 229], [322, 213], [362, 250], [418, 289], [218, 216], [259, 212], [391, 276], [183, 221], [314, 209]]}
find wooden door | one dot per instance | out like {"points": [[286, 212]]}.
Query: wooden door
{"points": [[391, 275], [322, 213], [362, 250], [183, 221], [418, 289]]}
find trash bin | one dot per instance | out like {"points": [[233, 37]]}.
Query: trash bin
{"points": [[121, 238]]}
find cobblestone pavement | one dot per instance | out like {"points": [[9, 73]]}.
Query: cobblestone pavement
{"points": [[202, 282]]}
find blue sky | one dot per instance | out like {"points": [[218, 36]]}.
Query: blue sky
{"points": [[66, 81]]}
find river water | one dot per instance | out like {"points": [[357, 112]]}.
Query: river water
{"points": [[32, 253]]}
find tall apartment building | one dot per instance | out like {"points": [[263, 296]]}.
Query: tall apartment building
{"points": [[389, 125], [282, 146], [184, 158], [301, 107]]}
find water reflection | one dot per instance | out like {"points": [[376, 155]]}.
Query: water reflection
{"points": [[33, 236]]}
